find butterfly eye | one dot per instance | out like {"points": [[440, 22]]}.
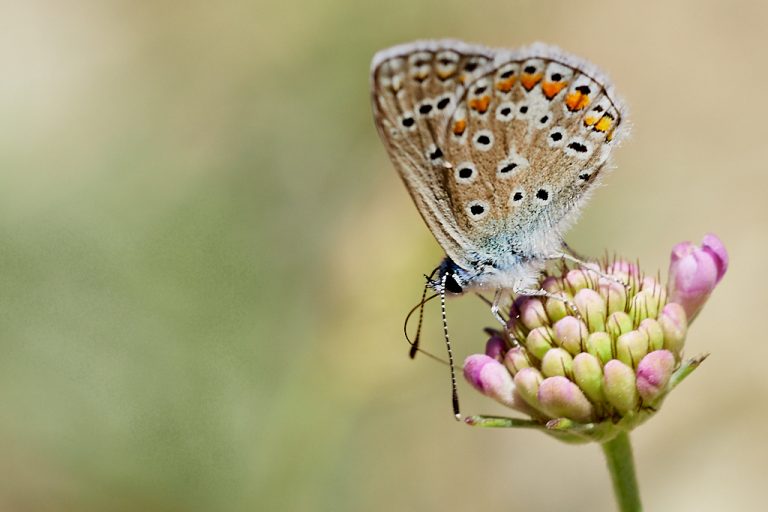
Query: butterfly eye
{"points": [[452, 285]]}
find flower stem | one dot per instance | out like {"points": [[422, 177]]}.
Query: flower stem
{"points": [[621, 466]]}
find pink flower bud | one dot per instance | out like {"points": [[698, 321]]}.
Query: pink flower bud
{"points": [[532, 313], [577, 279], [675, 326], [495, 347], [490, 377], [653, 374], [695, 271], [516, 359], [571, 333], [561, 398], [553, 284], [623, 268]]}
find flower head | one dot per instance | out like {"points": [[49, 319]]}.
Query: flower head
{"points": [[601, 352]]}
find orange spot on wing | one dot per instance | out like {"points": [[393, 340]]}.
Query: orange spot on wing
{"points": [[589, 121], [506, 84], [444, 75], [552, 88], [459, 127], [480, 104], [529, 81], [604, 123], [576, 101]]}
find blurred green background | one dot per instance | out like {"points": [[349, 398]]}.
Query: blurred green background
{"points": [[206, 258]]}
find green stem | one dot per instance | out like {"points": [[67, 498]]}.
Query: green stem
{"points": [[621, 466]]}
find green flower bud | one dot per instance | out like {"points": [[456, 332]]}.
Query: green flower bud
{"points": [[631, 347], [588, 374], [656, 290], [592, 308], [527, 382], [556, 309], [619, 386], [556, 362], [599, 345], [539, 341], [644, 305], [652, 329], [618, 323], [553, 285], [615, 295]]}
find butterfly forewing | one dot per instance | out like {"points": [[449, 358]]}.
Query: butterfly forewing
{"points": [[415, 92], [497, 148]]}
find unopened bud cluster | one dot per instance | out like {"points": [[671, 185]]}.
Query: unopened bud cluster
{"points": [[600, 349]]}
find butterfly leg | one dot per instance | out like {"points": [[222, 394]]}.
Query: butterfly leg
{"points": [[519, 290], [495, 307], [586, 266]]}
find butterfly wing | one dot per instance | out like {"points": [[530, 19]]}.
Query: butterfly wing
{"points": [[415, 90], [499, 149], [528, 142]]}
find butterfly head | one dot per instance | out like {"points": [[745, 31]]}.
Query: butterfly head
{"points": [[483, 275]]}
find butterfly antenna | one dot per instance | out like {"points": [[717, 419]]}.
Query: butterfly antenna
{"points": [[454, 391], [415, 343]]}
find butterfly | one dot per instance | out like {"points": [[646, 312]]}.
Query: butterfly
{"points": [[499, 150]]}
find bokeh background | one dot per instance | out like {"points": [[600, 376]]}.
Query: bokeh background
{"points": [[206, 258]]}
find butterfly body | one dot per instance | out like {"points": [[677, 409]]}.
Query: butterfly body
{"points": [[499, 150]]}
